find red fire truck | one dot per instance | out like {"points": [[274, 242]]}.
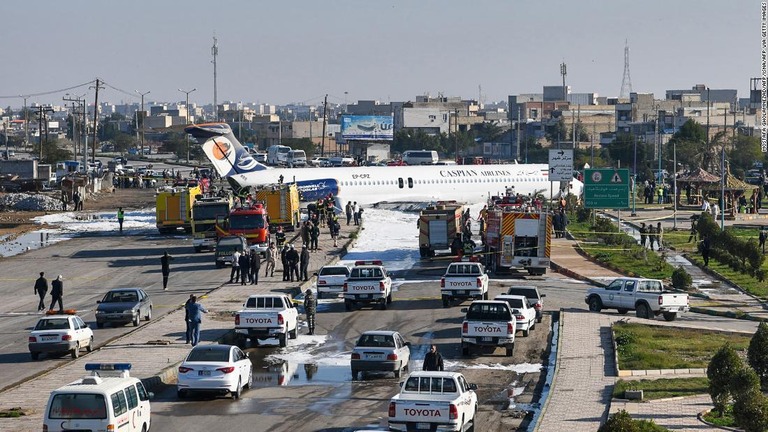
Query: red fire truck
{"points": [[250, 222], [518, 240]]}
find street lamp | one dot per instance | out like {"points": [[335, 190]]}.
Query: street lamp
{"points": [[142, 117], [634, 181], [187, 92]]}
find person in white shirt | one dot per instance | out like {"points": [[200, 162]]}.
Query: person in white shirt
{"points": [[234, 276]]}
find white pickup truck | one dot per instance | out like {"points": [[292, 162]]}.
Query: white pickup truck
{"points": [[368, 283], [432, 401], [645, 296], [265, 317], [488, 323], [464, 280]]}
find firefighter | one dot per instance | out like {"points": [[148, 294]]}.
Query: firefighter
{"points": [[280, 237], [456, 245]]}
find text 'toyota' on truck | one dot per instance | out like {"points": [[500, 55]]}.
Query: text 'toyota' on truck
{"points": [[464, 280], [283, 206], [517, 240], [249, 222], [265, 317], [438, 226], [434, 401], [488, 323], [368, 283], [204, 214], [646, 297], [174, 207]]}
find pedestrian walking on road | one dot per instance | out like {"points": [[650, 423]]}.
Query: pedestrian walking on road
{"points": [[271, 260], [643, 232], [234, 275], [304, 264], [76, 199], [310, 308], [433, 361], [694, 231], [255, 267], [120, 218], [305, 228], [284, 261], [187, 322], [165, 264], [356, 213], [41, 289], [57, 293], [705, 249], [195, 311], [334, 227]]}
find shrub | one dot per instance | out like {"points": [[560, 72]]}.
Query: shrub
{"points": [[623, 422], [583, 214], [681, 279], [757, 353], [751, 412], [725, 364]]}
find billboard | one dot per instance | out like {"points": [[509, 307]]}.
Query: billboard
{"points": [[379, 128]]}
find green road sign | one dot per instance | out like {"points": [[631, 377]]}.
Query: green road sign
{"points": [[606, 188]]}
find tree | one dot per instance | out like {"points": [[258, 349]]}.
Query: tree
{"points": [[52, 151], [745, 151], [305, 144], [488, 132], [691, 143], [556, 131], [757, 354], [623, 149], [581, 132], [723, 367]]}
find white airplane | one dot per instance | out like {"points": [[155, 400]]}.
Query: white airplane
{"points": [[370, 185]]}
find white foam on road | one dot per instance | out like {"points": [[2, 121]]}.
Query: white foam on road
{"points": [[389, 236], [105, 223]]}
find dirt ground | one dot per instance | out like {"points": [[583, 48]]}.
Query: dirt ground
{"points": [[14, 223]]}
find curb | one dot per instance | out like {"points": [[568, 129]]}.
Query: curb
{"points": [[671, 373], [717, 275], [545, 405], [701, 415]]}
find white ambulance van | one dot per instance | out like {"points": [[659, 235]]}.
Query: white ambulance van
{"points": [[107, 400]]}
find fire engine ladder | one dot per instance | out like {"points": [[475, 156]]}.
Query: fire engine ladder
{"points": [[284, 202], [545, 233]]}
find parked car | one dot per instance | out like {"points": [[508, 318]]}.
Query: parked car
{"points": [[525, 316], [319, 161], [123, 306], [381, 351], [60, 333], [222, 369], [533, 296]]}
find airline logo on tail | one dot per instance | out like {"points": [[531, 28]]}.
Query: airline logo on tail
{"points": [[228, 156]]}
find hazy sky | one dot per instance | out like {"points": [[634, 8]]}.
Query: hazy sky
{"points": [[297, 51]]}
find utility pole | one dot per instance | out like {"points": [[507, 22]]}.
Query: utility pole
{"points": [[26, 122], [142, 116], [42, 118], [95, 119], [75, 129], [322, 140], [186, 108], [517, 151], [214, 53]]}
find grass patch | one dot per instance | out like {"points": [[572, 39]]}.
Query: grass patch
{"points": [[726, 420], [663, 388], [643, 346], [12, 413], [630, 259]]}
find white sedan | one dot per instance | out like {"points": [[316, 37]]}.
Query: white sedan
{"points": [[223, 369], [382, 351], [525, 316]]}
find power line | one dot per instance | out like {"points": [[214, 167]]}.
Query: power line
{"points": [[47, 92], [127, 93]]}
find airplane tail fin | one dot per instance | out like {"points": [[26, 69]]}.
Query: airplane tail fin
{"points": [[228, 156]]}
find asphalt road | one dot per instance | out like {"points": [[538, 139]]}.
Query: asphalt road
{"points": [[91, 266]]}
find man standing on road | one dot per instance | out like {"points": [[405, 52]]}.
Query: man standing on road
{"points": [[255, 267], [245, 268], [188, 331], [271, 260], [304, 264], [57, 293], [433, 361], [41, 289], [348, 209], [165, 265], [761, 240], [195, 311], [120, 218], [310, 308], [234, 275], [314, 235], [292, 257], [284, 262]]}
